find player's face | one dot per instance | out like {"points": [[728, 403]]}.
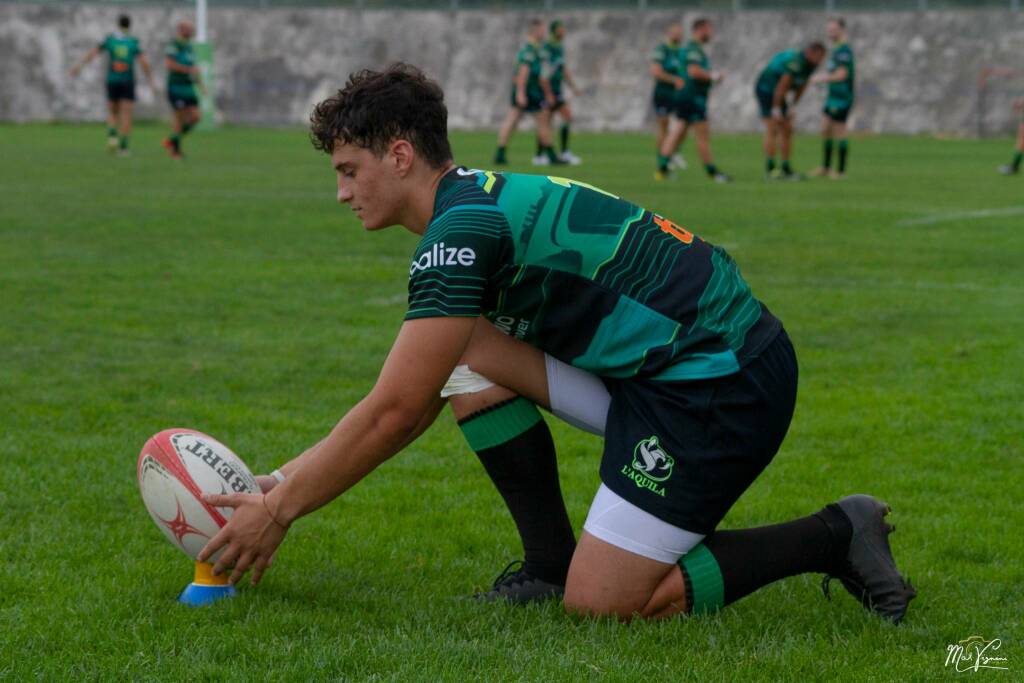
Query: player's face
{"points": [[675, 34], [707, 33], [367, 184], [834, 31], [814, 57]]}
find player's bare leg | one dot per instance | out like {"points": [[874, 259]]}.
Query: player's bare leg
{"points": [[660, 131], [768, 144], [839, 133], [702, 131], [508, 127], [827, 143], [125, 125], [674, 136], [112, 115]]}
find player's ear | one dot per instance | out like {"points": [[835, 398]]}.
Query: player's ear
{"points": [[403, 154]]}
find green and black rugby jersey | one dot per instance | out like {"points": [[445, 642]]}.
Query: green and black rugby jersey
{"points": [[554, 64], [591, 279], [121, 49], [178, 83], [530, 55], [792, 62], [693, 53], [667, 56], [840, 93]]}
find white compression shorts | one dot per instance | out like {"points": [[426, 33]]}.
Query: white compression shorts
{"points": [[617, 521]]}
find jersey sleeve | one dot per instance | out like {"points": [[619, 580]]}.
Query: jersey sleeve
{"points": [[658, 55], [460, 251], [171, 51], [104, 44]]}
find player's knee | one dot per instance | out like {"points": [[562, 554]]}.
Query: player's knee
{"points": [[591, 601]]}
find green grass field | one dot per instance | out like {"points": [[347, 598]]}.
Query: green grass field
{"points": [[231, 294]]}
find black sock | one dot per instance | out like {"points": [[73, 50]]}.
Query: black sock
{"points": [[769, 164], [828, 153], [842, 156], [711, 169], [186, 127], [500, 156], [565, 137], [176, 143], [514, 445], [785, 166], [730, 565], [540, 148], [1016, 160]]}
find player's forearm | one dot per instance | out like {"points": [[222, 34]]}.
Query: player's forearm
{"points": [[799, 93], [180, 68], [698, 73], [367, 436], [665, 77]]}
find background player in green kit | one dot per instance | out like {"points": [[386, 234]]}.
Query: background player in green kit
{"points": [[531, 93], [535, 290], [666, 69], [1013, 167], [182, 80], [838, 102], [122, 50], [557, 73], [691, 107], [788, 72]]}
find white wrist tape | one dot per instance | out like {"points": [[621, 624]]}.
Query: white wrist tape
{"points": [[279, 475]]}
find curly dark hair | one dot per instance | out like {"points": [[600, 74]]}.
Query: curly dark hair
{"points": [[377, 107]]}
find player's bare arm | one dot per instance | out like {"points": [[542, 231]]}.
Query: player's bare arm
{"points": [[89, 56], [779, 96], [419, 364]]}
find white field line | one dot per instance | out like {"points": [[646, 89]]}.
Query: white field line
{"points": [[961, 215], [871, 283]]}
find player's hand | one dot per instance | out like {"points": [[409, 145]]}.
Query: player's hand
{"points": [[1018, 104], [250, 538], [818, 79], [521, 100], [550, 100], [680, 83], [266, 482], [716, 76]]}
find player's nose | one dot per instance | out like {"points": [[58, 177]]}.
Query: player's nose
{"points": [[344, 194]]}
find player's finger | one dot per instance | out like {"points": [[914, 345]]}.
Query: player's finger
{"points": [[262, 564], [230, 500], [226, 559], [241, 567], [213, 545]]}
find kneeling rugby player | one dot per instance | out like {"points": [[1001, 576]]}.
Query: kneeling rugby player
{"points": [[620, 321]]}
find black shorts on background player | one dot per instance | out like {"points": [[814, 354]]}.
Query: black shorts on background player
{"points": [[837, 114], [691, 110], [718, 435], [764, 101], [663, 104], [183, 102], [533, 102], [120, 91]]}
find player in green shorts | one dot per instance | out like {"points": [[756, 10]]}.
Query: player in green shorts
{"points": [[838, 102], [788, 72], [122, 50], [666, 67], [558, 73], [691, 106], [529, 291], [531, 93], [182, 81]]}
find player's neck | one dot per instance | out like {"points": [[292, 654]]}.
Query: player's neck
{"points": [[420, 207]]}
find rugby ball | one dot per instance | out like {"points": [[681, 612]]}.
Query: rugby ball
{"points": [[176, 468]]}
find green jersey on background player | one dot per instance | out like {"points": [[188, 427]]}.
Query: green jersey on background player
{"points": [[839, 76], [691, 104], [122, 50], [558, 73], [182, 82], [786, 75], [531, 94], [539, 290]]}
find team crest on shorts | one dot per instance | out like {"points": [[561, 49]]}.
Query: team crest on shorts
{"points": [[651, 465]]}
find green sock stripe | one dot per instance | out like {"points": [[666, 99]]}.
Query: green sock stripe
{"points": [[500, 424], [705, 580]]}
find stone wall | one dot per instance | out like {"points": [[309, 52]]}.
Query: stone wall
{"points": [[917, 72]]}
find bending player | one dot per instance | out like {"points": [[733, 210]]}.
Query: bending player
{"points": [[122, 50], [182, 80], [787, 72], [618, 319], [1013, 167], [839, 100], [531, 94], [665, 68], [691, 108]]}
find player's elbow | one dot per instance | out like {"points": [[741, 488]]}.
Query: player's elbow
{"points": [[396, 418]]}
